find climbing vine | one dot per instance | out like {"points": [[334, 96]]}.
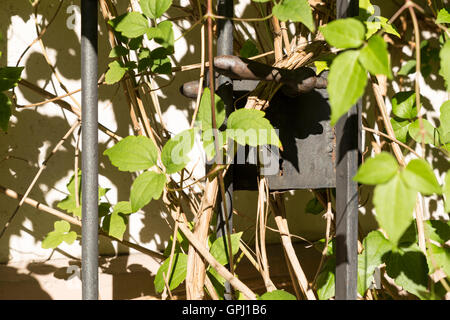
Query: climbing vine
{"points": [[408, 256]]}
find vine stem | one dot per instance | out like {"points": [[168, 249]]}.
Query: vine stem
{"points": [[38, 174], [214, 128], [42, 207], [221, 270], [419, 209]]}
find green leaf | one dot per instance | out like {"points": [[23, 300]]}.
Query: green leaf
{"points": [[375, 57], [115, 224], [445, 117], [133, 154], [446, 191], [208, 142], [326, 280], [160, 62], [443, 16], [204, 111], [131, 25], [163, 34], [344, 33], [394, 203], [445, 63], [218, 250], [248, 49], [319, 245], [277, 295], [175, 152], [9, 77], [346, 83], [400, 129], [5, 111], [408, 267], [155, 8], [123, 207], [407, 68], [295, 10], [69, 203], [375, 247], [314, 207], [437, 230], [118, 51], [439, 259], [61, 233], [146, 187], [404, 105], [376, 170], [115, 72], [419, 176], [378, 23], [249, 127], [430, 135], [177, 274], [324, 63]]}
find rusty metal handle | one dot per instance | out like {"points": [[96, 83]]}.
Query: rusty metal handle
{"points": [[298, 81]]}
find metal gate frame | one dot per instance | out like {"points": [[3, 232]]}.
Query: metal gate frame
{"points": [[348, 133]]}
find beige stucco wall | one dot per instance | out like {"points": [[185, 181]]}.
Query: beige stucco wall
{"points": [[34, 132]]}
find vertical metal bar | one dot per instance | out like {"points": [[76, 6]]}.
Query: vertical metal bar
{"points": [[89, 161], [347, 141], [225, 91]]}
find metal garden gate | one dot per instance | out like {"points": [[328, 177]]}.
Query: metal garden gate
{"points": [[347, 154]]}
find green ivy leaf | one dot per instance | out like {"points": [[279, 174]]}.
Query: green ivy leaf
{"points": [[431, 136], [204, 111], [61, 233], [177, 275], [131, 25], [277, 295], [419, 176], [175, 152], [404, 105], [9, 77], [394, 203], [400, 129], [344, 33], [218, 250], [133, 154], [445, 63], [326, 280], [248, 49], [445, 117], [446, 191], [146, 187], [319, 245], [375, 57], [346, 83], [155, 8], [5, 111], [249, 127], [115, 72], [408, 267], [443, 16], [377, 170], [295, 10], [375, 247]]}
